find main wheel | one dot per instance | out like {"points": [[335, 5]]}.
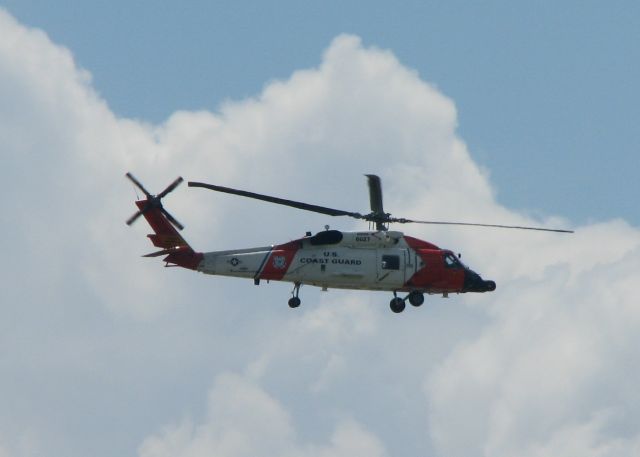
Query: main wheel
{"points": [[294, 302], [416, 298], [397, 305]]}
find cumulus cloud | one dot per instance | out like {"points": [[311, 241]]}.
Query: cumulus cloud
{"points": [[546, 365], [243, 420], [558, 359]]}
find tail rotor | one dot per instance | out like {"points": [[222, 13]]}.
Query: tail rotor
{"points": [[154, 201]]}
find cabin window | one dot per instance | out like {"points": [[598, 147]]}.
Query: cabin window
{"points": [[390, 262]]}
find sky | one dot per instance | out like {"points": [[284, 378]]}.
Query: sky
{"points": [[545, 92], [495, 112]]}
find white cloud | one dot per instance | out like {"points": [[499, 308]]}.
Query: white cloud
{"points": [[243, 420], [585, 439], [546, 361], [560, 350]]}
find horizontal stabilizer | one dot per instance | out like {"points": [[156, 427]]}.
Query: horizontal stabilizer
{"points": [[167, 240], [159, 253], [182, 256]]}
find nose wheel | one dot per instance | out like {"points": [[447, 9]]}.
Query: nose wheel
{"points": [[294, 301]]}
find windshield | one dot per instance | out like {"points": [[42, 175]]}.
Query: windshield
{"points": [[451, 261]]}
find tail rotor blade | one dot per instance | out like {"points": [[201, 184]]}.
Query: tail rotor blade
{"points": [[170, 188], [172, 219], [140, 212], [133, 218], [137, 183]]}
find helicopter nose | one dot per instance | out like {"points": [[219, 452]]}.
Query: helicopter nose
{"points": [[474, 283], [490, 286]]}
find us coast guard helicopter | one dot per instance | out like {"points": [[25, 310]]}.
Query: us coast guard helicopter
{"points": [[379, 259]]}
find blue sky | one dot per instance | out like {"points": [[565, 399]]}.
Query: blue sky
{"points": [[105, 353], [546, 92]]}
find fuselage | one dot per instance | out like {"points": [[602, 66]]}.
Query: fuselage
{"points": [[372, 260]]}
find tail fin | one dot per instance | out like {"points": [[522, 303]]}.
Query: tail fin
{"points": [[177, 250], [165, 236]]}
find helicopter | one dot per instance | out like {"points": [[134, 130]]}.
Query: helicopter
{"points": [[379, 259]]}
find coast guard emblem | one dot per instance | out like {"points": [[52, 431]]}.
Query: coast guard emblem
{"points": [[279, 262]]}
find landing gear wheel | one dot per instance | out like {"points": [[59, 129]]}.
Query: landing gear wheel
{"points": [[416, 298], [294, 301], [397, 305]]}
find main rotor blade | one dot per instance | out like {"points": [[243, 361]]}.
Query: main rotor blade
{"points": [[278, 201], [170, 188], [137, 183], [375, 194], [403, 221]]}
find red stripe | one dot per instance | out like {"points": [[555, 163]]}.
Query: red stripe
{"points": [[279, 261]]}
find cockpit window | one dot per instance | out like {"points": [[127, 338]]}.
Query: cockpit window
{"points": [[451, 261]]}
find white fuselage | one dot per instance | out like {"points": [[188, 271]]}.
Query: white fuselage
{"points": [[331, 259]]}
